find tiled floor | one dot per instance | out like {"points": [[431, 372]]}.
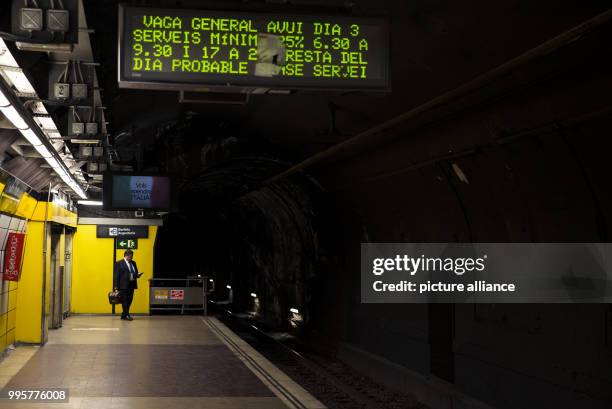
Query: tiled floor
{"points": [[152, 362]]}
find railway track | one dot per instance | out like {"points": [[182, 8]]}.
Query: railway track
{"points": [[333, 383]]}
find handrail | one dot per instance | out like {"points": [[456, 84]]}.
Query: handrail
{"points": [[168, 283]]}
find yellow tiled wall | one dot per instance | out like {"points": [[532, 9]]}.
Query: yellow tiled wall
{"points": [[92, 271]]}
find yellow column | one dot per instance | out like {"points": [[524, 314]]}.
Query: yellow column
{"points": [[30, 290]]}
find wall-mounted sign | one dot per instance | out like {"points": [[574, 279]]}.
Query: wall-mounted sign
{"points": [[126, 244], [186, 49], [160, 294], [13, 253], [177, 294], [106, 231]]}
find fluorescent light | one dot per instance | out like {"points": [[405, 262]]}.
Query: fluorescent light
{"points": [[65, 177], [81, 193], [253, 295], [44, 152], [20, 82], [46, 123], [4, 102], [11, 113], [60, 202], [31, 136], [294, 310], [279, 91], [6, 58], [90, 202], [53, 163]]}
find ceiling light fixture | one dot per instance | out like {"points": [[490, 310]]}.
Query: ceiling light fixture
{"points": [[53, 163], [13, 73], [12, 115], [20, 81], [90, 202], [86, 141], [31, 137], [43, 151]]}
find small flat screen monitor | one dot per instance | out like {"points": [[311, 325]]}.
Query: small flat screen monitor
{"points": [[134, 192]]}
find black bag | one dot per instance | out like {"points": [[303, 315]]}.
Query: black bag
{"points": [[114, 297]]}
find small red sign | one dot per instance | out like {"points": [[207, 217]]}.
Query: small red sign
{"points": [[12, 256], [177, 294]]}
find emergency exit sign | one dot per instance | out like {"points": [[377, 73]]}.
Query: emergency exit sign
{"points": [[127, 244]]}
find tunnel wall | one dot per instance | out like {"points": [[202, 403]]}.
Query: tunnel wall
{"points": [[92, 276], [534, 159]]}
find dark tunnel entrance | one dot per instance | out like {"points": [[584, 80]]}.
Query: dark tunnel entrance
{"points": [[260, 240]]}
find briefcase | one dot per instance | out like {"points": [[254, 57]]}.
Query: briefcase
{"points": [[114, 297]]}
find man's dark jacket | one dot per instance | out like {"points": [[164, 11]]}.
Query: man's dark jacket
{"points": [[121, 278]]}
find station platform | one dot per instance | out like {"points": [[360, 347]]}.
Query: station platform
{"points": [[153, 362]]}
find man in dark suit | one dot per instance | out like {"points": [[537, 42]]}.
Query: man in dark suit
{"points": [[125, 280]]}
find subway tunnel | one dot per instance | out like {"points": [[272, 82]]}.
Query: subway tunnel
{"points": [[488, 133]]}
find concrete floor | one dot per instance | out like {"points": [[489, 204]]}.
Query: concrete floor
{"points": [[152, 362]]}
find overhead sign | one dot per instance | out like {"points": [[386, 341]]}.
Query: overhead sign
{"points": [[129, 192], [106, 231], [12, 256], [126, 244], [189, 49]]}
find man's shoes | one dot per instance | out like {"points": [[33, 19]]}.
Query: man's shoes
{"points": [[123, 318], [129, 318]]}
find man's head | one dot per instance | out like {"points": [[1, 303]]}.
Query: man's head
{"points": [[128, 254]]}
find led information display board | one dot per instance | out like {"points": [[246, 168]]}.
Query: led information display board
{"points": [[189, 49]]}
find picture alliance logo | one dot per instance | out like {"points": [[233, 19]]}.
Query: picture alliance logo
{"points": [[413, 265]]}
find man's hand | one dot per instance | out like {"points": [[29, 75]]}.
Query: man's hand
{"points": [[139, 274]]}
